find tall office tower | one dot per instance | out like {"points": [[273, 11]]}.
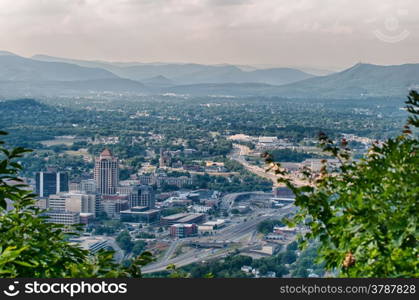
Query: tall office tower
{"points": [[50, 183], [142, 195], [106, 173], [165, 159]]}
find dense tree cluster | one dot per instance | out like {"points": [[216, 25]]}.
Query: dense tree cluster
{"points": [[267, 226], [126, 243], [288, 155], [364, 214]]}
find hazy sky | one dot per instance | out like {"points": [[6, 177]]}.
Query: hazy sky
{"points": [[317, 33]]}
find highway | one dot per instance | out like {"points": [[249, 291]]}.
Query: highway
{"points": [[228, 200], [169, 252], [119, 253], [238, 153], [233, 234]]}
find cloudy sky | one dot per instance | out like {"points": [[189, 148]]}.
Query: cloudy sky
{"points": [[316, 33]]}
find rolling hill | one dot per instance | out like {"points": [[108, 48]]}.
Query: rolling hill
{"points": [[361, 80], [14, 67], [16, 89], [23, 77]]}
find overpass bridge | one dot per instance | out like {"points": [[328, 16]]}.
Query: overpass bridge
{"points": [[210, 244], [228, 200]]}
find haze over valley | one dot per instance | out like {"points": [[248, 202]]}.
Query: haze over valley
{"points": [[50, 76]]}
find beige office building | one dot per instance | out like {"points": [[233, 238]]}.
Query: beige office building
{"points": [[106, 173]]}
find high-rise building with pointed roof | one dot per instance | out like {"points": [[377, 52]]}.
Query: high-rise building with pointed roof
{"points": [[106, 173]]}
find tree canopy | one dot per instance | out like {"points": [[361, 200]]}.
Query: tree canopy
{"points": [[364, 213]]}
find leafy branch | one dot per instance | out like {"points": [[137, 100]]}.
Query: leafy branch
{"points": [[364, 213]]}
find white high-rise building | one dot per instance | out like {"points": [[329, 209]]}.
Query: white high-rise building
{"points": [[56, 202], [63, 217], [73, 202]]}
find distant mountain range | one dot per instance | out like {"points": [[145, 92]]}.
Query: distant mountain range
{"points": [[359, 81], [51, 76], [191, 73]]}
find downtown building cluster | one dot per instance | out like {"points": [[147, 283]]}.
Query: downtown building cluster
{"points": [[131, 201], [81, 202]]}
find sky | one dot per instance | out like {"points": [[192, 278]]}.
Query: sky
{"points": [[329, 34]]}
